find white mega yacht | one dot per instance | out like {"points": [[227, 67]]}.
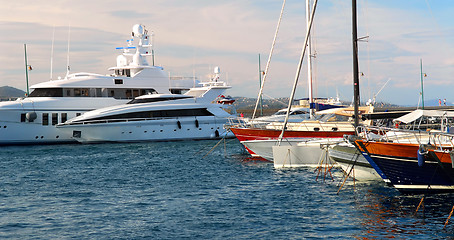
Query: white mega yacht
{"points": [[32, 120], [152, 117]]}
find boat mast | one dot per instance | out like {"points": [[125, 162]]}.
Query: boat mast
{"points": [[422, 86], [67, 55], [52, 54], [355, 64], [309, 62], [26, 69], [260, 84], [298, 71]]}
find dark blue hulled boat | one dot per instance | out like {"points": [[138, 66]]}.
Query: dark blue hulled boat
{"points": [[412, 167]]}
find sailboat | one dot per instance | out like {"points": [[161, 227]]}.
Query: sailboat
{"points": [[259, 140]]}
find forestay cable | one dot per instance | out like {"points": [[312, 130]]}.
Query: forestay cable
{"points": [[269, 60]]}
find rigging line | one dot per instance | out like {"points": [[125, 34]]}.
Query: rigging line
{"points": [[275, 99], [298, 71], [269, 60], [442, 34]]}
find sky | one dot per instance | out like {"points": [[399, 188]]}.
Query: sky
{"points": [[193, 37]]}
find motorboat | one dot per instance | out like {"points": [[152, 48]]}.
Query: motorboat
{"points": [[153, 117], [32, 120]]}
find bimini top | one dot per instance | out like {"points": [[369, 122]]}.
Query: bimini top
{"points": [[415, 115]]}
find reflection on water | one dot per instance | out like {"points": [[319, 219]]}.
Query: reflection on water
{"points": [[388, 214], [175, 190]]}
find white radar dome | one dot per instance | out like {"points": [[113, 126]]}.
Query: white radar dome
{"points": [[138, 30]]}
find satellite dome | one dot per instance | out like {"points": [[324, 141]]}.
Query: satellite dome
{"points": [[138, 30]]}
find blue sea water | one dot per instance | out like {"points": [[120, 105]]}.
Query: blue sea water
{"points": [[182, 190]]}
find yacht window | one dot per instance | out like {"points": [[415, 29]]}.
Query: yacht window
{"points": [[98, 92], [148, 91], [175, 91], [112, 93], [45, 119], [158, 114], [77, 114], [47, 92], [76, 92], [118, 81], [128, 93], [22, 117], [297, 112], [149, 100], [128, 72], [54, 118], [64, 117], [68, 93], [84, 92], [135, 92]]}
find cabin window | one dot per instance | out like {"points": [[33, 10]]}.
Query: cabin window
{"points": [[77, 114], [128, 93], [84, 92], [112, 93], [76, 92], [148, 91], [22, 117], [64, 117], [98, 92], [135, 92], [54, 118], [47, 92], [45, 119], [159, 114], [118, 81]]}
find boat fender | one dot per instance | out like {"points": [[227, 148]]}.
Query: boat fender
{"points": [[422, 153], [197, 123], [179, 124], [31, 116]]}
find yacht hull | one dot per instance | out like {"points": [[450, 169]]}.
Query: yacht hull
{"points": [[149, 130], [16, 129]]}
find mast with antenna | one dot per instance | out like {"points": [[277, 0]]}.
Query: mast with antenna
{"points": [[52, 54], [67, 57], [27, 67], [355, 64], [309, 63]]}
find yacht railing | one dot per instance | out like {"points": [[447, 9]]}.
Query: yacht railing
{"points": [[397, 135]]}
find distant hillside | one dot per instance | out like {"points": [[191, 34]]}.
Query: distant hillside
{"points": [[7, 92]]}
